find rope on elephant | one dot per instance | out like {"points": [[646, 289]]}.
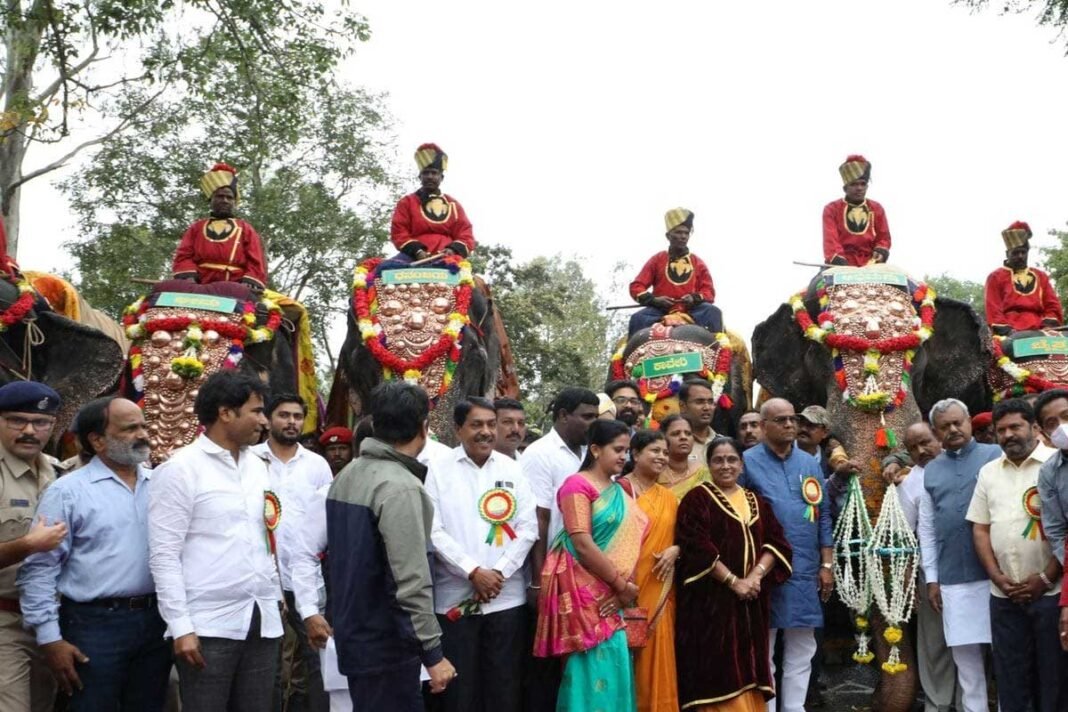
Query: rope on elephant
{"points": [[893, 573], [852, 536]]}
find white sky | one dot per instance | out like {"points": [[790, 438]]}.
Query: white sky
{"points": [[572, 126]]}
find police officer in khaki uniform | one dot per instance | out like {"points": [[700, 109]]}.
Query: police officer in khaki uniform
{"points": [[27, 416]]}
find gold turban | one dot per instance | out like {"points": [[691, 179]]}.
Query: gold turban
{"points": [[220, 176], [430, 155], [855, 168], [676, 217], [1016, 235]]}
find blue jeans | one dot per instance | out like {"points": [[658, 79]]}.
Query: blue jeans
{"points": [[703, 314], [1029, 665], [129, 659]]}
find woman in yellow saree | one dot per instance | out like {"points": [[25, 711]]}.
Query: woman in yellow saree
{"points": [[681, 474], [654, 664], [586, 579]]}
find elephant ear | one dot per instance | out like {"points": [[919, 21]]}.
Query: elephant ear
{"points": [[786, 364], [78, 361], [955, 360]]}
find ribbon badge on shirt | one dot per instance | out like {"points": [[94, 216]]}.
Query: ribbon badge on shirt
{"points": [[497, 506], [812, 493], [1032, 504], [272, 515]]}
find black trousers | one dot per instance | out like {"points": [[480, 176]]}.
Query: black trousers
{"points": [[487, 652], [541, 676], [1029, 665]]}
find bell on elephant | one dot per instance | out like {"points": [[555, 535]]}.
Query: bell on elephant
{"points": [[675, 286], [431, 324]]}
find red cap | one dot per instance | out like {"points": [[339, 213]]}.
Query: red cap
{"points": [[982, 420], [335, 435]]}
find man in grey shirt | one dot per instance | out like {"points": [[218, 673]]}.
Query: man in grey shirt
{"points": [[1051, 412]]}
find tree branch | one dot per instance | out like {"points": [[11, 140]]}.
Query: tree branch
{"points": [[59, 163]]}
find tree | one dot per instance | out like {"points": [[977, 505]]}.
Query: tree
{"points": [[963, 290], [555, 321], [1057, 263], [315, 184], [1053, 13], [107, 62]]}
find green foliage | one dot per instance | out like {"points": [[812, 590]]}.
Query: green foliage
{"points": [[1053, 13], [962, 290], [1056, 261], [313, 178], [555, 321]]}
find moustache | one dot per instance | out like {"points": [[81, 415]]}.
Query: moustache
{"points": [[28, 439], [485, 439]]}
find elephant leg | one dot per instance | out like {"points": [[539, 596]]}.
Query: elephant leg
{"points": [[894, 692]]}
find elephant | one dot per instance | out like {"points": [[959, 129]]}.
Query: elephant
{"points": [[662, 340], [78, 361], [167, 396], [1036, 362], [413, 317], [867, 391]]}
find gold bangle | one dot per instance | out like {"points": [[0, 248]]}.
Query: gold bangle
{"points": [[763, 569], [731, 578]]}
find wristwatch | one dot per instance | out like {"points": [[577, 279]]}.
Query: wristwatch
{"points": [[827, 565]]}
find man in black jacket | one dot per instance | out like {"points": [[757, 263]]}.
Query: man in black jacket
{"points": [[378, 520]]}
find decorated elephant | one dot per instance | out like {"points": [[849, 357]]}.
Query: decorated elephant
{"points": [[80, 362], [1028, 362], [429, 324], [661, 357], [875, 348], [183, 332]]}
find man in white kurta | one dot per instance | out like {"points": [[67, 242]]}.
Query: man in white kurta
{"points": [[957, 584], [484, 527]]}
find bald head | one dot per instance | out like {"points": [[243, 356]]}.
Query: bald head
{"points": [[779, 422], [921, 443]]}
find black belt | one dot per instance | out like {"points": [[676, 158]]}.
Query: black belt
{"points": [[134, 603]]}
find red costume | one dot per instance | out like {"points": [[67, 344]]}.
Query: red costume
{"points": [[674, 278], [221, 250], [1023, 300], [431, 222], [854, 232]]}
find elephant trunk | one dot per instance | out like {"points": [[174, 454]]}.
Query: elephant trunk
{"points": [[894, 692]]}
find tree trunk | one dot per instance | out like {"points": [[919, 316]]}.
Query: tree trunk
{"points": [[21, 44]]}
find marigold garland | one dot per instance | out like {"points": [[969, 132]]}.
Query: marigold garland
{"points": [[874, 400], [365, 305], [1025, 381]]}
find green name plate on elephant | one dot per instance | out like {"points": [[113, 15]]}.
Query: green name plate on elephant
{"points": [[1040, 346], [207, 302], [671, 364], [870, 276], [429, 275]]}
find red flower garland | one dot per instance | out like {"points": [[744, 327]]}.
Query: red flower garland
{"points": [[446, 345], [1030, 384], [19, 308]]}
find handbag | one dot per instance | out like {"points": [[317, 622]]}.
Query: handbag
{"points": [[636, 624]]}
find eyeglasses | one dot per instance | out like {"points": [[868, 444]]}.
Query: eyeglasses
{"points": [[623, 400], [724, 460], [16, 422], [784, 419]]}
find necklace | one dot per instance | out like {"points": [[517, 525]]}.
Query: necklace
{"points": [[637, 485]]}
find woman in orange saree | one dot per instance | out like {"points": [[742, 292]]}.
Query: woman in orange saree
{"points": [[681, 474], [654, 664]]}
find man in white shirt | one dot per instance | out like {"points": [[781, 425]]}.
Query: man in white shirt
{"points": [[210, 516], [295, 474], [1025, 577], [484, 526], [547, 462]]}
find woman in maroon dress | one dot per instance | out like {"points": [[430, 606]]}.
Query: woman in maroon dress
{"points": [[733, 551]]}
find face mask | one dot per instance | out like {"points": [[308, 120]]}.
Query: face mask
{"points": [[1059, 437]]}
